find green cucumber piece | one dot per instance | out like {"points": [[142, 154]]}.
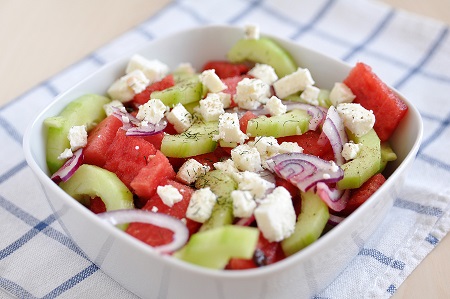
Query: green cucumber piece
{"points": [[294, 122], [310, 224], [365, 165], [91, 181], [86, 110], [188, 90], [221, 184], [387, 155], [263, 50], [196, 140], [214, 248]]}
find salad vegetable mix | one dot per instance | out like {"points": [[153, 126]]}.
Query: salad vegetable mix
{"points": [[237, 165]]}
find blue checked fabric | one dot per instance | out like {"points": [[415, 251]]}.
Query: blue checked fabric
{"points": [[411, 53]]}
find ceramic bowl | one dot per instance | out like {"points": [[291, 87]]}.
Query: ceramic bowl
{"points": [[149, 275]]}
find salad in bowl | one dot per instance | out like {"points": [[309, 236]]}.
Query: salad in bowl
{"points": [[244, 163]]}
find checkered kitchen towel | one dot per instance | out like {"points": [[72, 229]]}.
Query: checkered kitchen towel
{"points": [[411, 53]]}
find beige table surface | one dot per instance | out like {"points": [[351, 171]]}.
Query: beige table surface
{"points": [[40, 38]]}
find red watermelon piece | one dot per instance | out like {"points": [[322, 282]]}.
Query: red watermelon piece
{"points": [[144, 96], [154, 235], [373, 94], [225, 69], [99, 140], [96, 205], [127, 155], [243, 121], [266, 253], [150, 176], [360, 195]]}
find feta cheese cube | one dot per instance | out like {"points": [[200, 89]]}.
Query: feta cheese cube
{"points": [[210, 107], [77, 137], [341, 93], [275, 215], [246, 158], [66, 154], [226, 166], [185, 68], [275, 106], [229, 129], [109, 107], [266, 145], [124, 88], [180, 118], [201, 204], [350, 150], [191, 170], [154, 69], [243, 203], [152, 111], [310, 95], [254, 183], [290, 147], [264, 72], [169, 195], [356, 118], [225, 98], [210, 79], [251, 93], [292, 83], [251, 31]]}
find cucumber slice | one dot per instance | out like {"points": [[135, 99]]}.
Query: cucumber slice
{"points": [[214, 248], [310, 224], [188, 90], [263, 50], [387, 155], [196, 140], [86, 110], [221, 184], [91, 181], [294, 122], [366, 164]]}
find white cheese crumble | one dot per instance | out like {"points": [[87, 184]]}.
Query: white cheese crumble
{"points": [[227, 166], [243, 203], [212, 82], [356, 118], [251, 31], [66, 154], [210, 107], [292, 83], [77, 137], [201, 204], [109, 107], [246, 157], [251, 93], [275, 107], [229, 129], [169, 195], [225, 98], [154, 69], [185, 68], [254, 183], [341, 93], [152, 111], [350, 150], [180, 118], [275, 215], [191, 170], [290, 147], [310, 95], [264, 72], [125, 88]]}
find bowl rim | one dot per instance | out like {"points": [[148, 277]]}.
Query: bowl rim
{"points": [[288, 262]]}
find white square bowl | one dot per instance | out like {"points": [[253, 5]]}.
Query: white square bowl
{"points": [[138, 268]]}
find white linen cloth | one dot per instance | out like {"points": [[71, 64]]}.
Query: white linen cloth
{"points": [[411, 53]]}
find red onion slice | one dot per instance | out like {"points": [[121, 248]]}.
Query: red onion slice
{"points": [[181, 233], [246, 221], [134, 127], [333, 128], [335, 220], [69, 167], [304, 170], [317, 113], [334, 198]]}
